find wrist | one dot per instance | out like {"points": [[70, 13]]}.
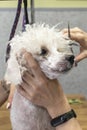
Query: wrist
{"points": [[60, 107], [63, 118], [72, 124]]}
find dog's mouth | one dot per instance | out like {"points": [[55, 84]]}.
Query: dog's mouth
{"points": [[62, 67]]}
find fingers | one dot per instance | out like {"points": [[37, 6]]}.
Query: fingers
{"points": [[28, 85], [27, 77], [32, 65], [81, 56], [29, 93], [23, 92], [73, 30], [78, 35], [32, 95], [75, 33]]}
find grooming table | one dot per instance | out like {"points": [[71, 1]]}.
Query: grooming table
{"points": [[78, 103]]}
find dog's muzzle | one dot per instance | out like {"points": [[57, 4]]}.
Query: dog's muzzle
{"points": [[70, 59], [64, 65], [68, 64]]}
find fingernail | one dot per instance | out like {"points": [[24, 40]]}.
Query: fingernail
{"points": [[8, 106]]}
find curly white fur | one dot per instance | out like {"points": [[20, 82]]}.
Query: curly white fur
{"points": [[33, 40], [36, 38]]}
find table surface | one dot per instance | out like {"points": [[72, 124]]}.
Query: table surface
{"points": [[79, 105]]}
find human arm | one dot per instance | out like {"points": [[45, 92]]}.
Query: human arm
{"points": [[4, 92], [81, 37], [46, 93]]}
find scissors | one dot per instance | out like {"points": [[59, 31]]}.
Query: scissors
{"points": [[69, 35]]}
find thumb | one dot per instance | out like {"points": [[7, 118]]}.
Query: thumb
{"points": [[10, 98], [81, 56]]}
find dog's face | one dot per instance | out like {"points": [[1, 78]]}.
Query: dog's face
{"points": [[56, 57]]}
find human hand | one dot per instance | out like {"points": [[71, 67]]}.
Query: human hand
{"points": [[81, 37], [40, 90]]}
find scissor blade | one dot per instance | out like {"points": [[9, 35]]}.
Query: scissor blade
{"points": [[69, 30]]}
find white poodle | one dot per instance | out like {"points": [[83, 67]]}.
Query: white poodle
{"points": [[53, 51]]}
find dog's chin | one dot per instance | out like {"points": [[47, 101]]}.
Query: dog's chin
{"points": [[55, 73], [61, 70]]}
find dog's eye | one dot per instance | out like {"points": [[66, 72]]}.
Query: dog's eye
{"points": [[43, 51]]}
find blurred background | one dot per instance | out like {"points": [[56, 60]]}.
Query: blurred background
{"points": [[51, 12]]}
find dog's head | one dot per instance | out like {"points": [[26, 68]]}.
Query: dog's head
{"points": [[56, 56], [52, 49], [49, 47]]}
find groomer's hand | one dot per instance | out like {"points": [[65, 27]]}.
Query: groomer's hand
{"points": [[81, 37], [42, 91]]}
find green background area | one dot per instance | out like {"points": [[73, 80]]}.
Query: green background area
{"points": [[48, 4]]}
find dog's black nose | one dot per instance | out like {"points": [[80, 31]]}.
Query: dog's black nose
{"points": [[70, 59]]}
